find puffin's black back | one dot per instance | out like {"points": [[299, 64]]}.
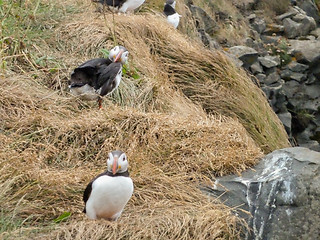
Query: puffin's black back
{"points": [[87, 72], [168, 10], [107, 74]]}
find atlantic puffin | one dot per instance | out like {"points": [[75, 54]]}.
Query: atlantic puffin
{"points": [[122, 6], [100, 76], [106, 195], [172, 16]]}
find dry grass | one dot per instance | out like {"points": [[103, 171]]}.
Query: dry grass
{"points": [[183, 122]]}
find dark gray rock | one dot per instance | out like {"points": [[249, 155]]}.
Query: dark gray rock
{"points": [[246, 54], [312, 91], [297, 67], [272, 78], [261, 77], [203, 20], [282, 194], [290, 88], [300, 77], [286, 118], [310, 8], [286, 74], [308, 24]]}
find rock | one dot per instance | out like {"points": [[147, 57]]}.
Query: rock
{"points": [[272, 78], [291, 28], [311, 144], [310, 105], [308, 24], [246, 54], [273, 28], [203, 20], [281, 193], [259, 25], [261, 77], [289, 14], [300, 77], [310, 8], [269, 61], [286, 74], [290, 88], [256, 68], [286, 118], [297, 67], [315, 32], [207, 40], [312, 91], [306, 52]]}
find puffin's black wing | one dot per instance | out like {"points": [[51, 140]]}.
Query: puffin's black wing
{"points": [[168, 10], [86, 73], [87, 191], [113, 3], [107, 76]]}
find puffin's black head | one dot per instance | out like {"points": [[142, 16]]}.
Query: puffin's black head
{"points": [[117, 162]]}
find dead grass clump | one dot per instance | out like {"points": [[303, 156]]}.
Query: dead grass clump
{"points": [[206, 78], [53, 147]]}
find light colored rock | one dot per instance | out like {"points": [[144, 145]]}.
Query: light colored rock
{"points": [[269, 61], [246, 54], [286, 119], [291, 28], [307, 52]]}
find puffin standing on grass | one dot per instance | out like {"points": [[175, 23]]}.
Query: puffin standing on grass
{"points": [[122, 6], [99, 77], [172, 16], [106, 195]]}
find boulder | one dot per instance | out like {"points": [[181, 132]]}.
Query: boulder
{"points": [[246, 54], [299, 77], [306, 52], [281, 193], [203, 20], [291, 28], [256, 68], [310, 8], [272, 78]]}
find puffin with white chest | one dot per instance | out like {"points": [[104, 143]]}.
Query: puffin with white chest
{"points": [[172, 16], [106, 195], [100, 76]]}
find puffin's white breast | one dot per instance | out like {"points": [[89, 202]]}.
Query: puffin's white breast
{"points": [[108, 197], [174, 19], [131, 5], [85, 92]]}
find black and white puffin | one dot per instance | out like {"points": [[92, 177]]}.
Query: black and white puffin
{"points": [[122, 6], [100, 76], [172, 16], [106, 195]]}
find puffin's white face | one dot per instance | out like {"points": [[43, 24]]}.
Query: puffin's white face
{"points": [[117, 162], [119, 54]]}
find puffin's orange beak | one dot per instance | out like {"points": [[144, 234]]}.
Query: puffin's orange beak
{"points": [[118, 56], [114, 166]]}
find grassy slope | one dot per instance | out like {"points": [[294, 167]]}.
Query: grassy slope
{"points": [[52, 144]]}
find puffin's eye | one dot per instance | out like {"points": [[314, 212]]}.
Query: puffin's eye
{"points": [[124, 158]]}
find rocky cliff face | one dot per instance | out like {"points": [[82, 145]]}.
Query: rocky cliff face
{"points": [[281, 194], [283, 58]]}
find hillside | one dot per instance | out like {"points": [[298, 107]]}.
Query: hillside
{"points": [[183, 114]]}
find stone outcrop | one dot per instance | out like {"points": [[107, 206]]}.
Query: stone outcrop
{"points": [[288, 71], [282, 195]]}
